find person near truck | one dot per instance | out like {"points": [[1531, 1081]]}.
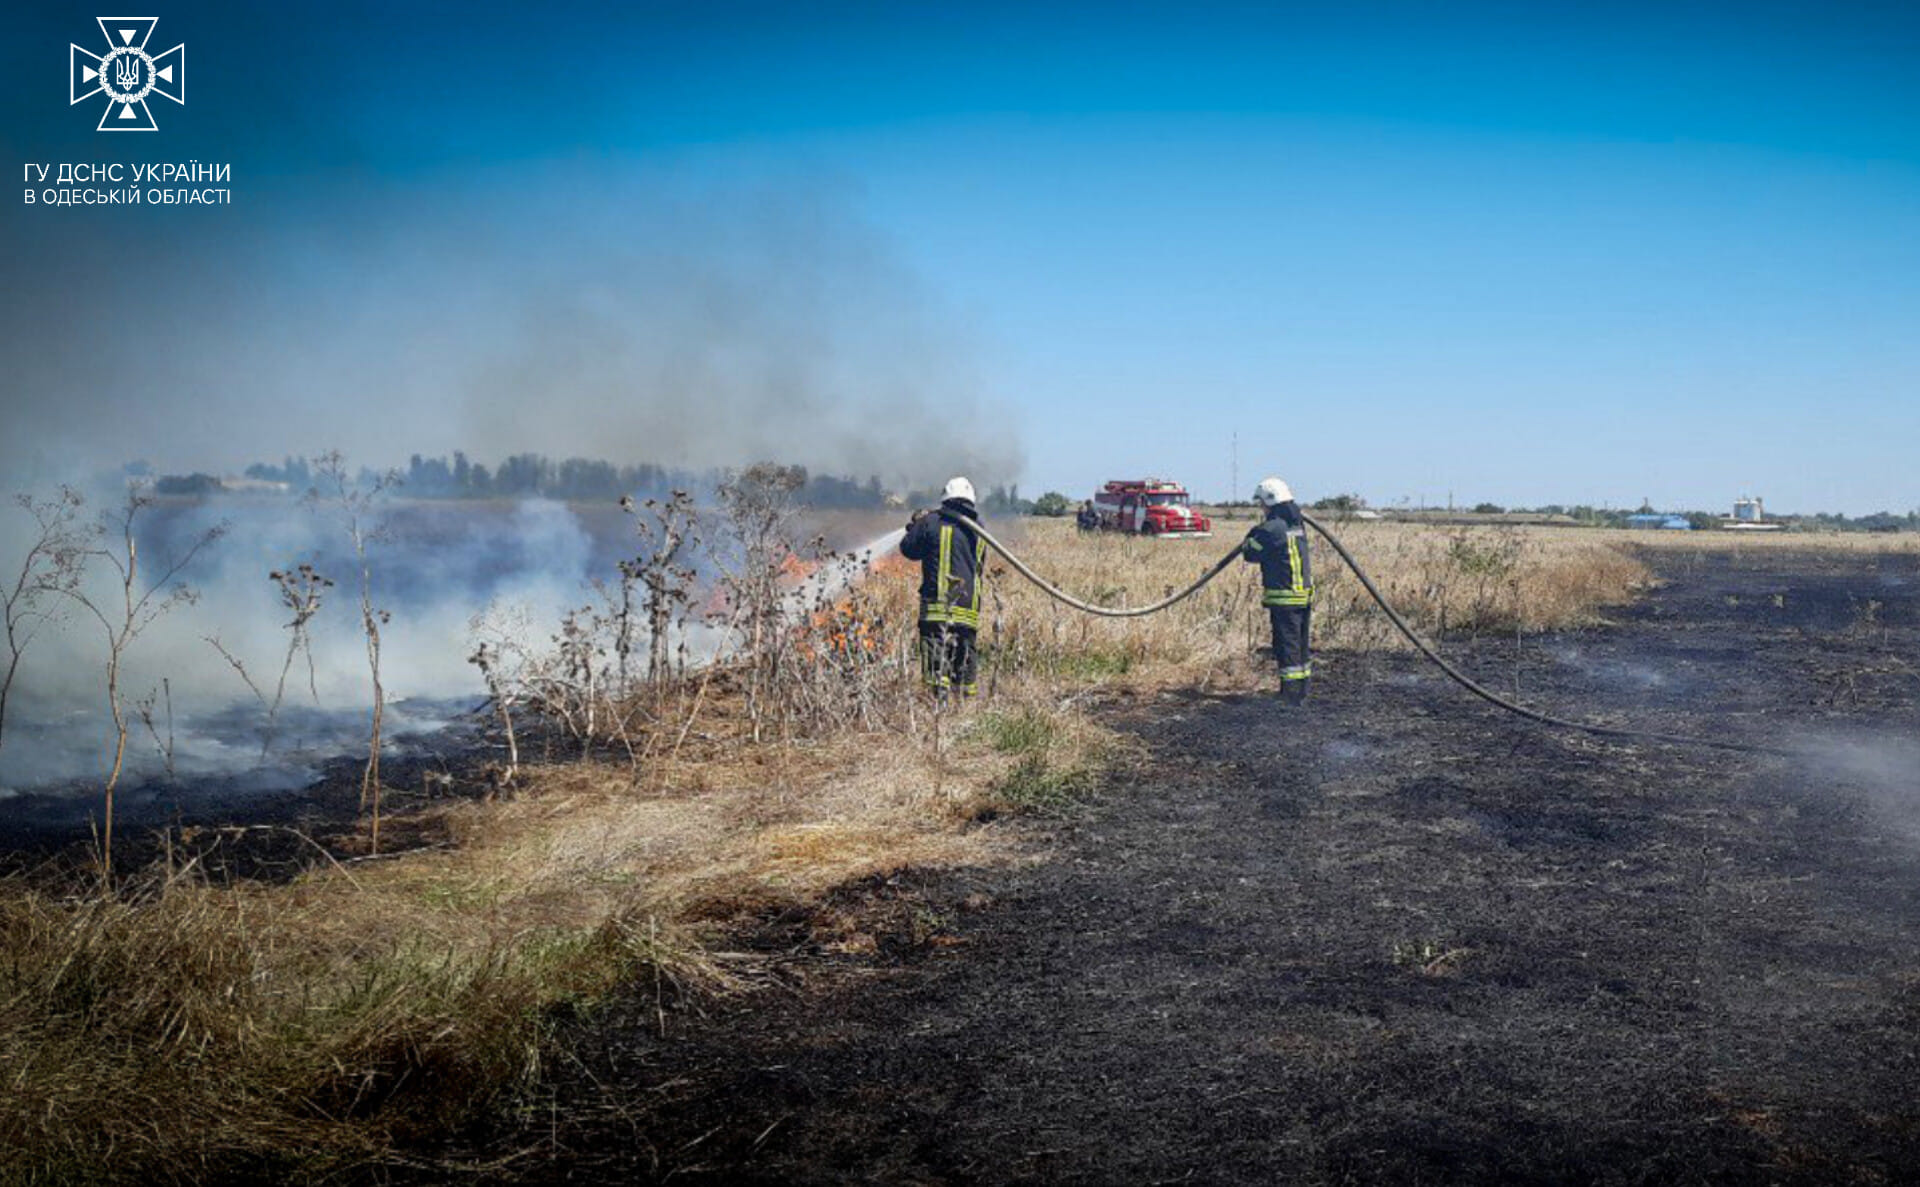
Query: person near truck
{"points": [[953, 566], [1279, 546]]}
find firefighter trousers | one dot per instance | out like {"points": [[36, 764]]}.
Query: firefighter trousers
{"points": [[948, 658], [1290, 649]]}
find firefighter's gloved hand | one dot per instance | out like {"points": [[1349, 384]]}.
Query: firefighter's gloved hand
{"points": [[918, 515]]}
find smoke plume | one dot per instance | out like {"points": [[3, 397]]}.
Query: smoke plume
{"points": [[550, 312]]}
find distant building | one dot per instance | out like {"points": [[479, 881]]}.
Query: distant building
{"points": [[1750, 515], [253, 486], [1660, 521]]}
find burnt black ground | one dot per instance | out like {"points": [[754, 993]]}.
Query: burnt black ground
{"points": [[1397, 938], [256, 836]]}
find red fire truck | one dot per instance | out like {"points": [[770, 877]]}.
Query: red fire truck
{"points": [[1149, 507]]}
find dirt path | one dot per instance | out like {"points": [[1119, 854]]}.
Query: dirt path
{"points": [[1398, 938]]}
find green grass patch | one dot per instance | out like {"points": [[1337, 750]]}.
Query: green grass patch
{"points": [[1018, 731], [1097, 663], [1038, 785]]}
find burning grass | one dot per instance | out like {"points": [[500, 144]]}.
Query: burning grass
{"points": [[178, 1029]]}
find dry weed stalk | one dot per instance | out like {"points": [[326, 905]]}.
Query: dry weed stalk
{"points": [[123, 615], [354, 503], [146, 707], [301, 590]]}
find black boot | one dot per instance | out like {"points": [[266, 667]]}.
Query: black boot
{"points": [[1294, 692]]}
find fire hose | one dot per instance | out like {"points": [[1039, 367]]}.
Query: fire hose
{"points": [[1461, 678]]}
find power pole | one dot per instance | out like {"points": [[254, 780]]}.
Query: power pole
{"points": [[1233, 485]]}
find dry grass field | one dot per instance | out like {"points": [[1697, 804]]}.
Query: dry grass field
{"points": [[186, 1027], [1763, 542], [1441, 579], [183, 1028]]}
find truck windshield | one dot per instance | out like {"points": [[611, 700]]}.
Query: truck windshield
{"points": [[1168, 500]]}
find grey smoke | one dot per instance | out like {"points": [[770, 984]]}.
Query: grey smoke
{"points": [[563, 311], [560, 310], [441, 565], [1884, 769]]}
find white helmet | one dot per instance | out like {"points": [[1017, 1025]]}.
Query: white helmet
{"points": [[1272, 492], [958, 488]]}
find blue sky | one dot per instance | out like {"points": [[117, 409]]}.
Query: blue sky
{"points": [[1520, 253]]}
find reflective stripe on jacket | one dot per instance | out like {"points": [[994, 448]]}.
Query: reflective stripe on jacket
{"points": [[953, 564], [1279, 546]]}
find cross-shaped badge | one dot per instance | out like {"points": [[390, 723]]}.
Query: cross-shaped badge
{"points": [[127, 74]]}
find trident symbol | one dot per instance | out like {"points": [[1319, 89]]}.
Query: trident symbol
{"points": [[127, 74]]}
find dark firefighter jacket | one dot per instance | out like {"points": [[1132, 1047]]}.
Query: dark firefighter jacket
{"points": [[1279, 547], [953, 562]]}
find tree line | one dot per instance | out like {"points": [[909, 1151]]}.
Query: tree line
{"points": [[534, 475]]}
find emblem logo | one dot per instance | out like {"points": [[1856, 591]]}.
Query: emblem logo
{"points": [[127, 74]]}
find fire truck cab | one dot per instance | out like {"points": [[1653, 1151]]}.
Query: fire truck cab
{"points": [[1149, 507]]}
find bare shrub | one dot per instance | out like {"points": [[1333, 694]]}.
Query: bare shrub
{"points": [[801, 646], [123, 615], [760, 524], [52, 565], [665, 527], [499, 652], [586, 685], [569, 683]]}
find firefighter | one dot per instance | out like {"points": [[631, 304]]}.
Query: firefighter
{"points": [[953, 565], [1279, 546]]}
